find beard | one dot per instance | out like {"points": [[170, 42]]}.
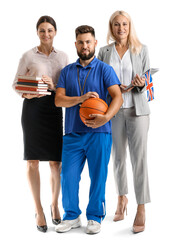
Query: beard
{"points": [[85, 56]]}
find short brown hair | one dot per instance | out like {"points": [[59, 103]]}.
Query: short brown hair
{"points": [[46, 19], [84, 29]]}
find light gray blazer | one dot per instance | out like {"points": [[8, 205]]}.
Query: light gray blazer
{"points": [[140, 64]]}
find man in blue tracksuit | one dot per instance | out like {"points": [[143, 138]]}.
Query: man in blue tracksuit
{"points": [[87, 77]]}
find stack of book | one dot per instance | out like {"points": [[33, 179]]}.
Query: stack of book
{"points": [[31, 85]]}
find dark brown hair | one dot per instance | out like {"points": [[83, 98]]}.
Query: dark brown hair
{"points": [[46, 19], [84, 29]]}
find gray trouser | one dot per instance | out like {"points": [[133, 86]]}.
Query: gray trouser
{"points": [[127, 128]]}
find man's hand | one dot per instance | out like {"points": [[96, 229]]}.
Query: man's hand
{"points": [[89, 95], [97, 120]]}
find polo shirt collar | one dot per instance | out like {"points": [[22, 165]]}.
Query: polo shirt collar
{"points": [[90, 65]]}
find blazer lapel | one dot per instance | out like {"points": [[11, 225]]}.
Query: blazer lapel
{"points": [[136, 64], [109, 53]]}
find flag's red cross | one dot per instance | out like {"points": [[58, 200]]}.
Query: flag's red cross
{"points": [[149, 86]]}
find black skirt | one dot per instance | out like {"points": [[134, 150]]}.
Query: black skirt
{"points": [[42, 129]]}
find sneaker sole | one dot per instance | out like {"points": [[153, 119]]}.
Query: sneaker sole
{"points": [[92, 232], [62, 231], [77, 225]]}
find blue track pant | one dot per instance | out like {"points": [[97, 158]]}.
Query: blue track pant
{"points": [[77, 147]]}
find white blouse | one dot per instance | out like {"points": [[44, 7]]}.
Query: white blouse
{"points": [[123, 69]]}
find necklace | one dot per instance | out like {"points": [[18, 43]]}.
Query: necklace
{"points": [[82, 89], [46, 53]]}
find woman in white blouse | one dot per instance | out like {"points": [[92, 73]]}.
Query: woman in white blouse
{"points": [[130, 60], [41, 119]]}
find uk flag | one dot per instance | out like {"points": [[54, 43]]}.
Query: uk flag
{"points": [[149, 85]]}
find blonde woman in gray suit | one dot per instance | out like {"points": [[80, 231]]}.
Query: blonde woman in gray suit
{"points": [[130, 60]]}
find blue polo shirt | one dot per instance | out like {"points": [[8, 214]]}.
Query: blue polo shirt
{"points": [[100, 78]]}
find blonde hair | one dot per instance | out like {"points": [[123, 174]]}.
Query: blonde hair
{"points": [[135, 45]]}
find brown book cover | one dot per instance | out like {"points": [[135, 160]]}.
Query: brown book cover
{"points": [[29, 88], [30, 81]]}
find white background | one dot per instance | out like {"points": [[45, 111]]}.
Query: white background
{"points": [[153, 23]]}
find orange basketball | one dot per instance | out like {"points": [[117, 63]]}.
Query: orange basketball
{"points": [[92, 106]]}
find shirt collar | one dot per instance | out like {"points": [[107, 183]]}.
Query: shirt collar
{"points": [[90, 65], [37, 51]]}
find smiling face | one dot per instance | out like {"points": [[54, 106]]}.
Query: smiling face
{"points": [[120, 28], [46, 33], [85, 45]]}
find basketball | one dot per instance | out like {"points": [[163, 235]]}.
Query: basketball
{"points": [[92, 106]]}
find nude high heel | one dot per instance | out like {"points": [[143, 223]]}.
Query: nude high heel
{"points": [[121, 208], [139, 228]]}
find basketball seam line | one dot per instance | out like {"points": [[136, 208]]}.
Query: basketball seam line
{"points": [[96, 99], [94, 109], [85, 117]]}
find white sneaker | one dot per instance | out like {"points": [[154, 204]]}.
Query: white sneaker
{"points": [[67, 225], [93, 227]]}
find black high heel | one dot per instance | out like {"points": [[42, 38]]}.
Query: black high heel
{"points": [[54, 221], [41, 228]]}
